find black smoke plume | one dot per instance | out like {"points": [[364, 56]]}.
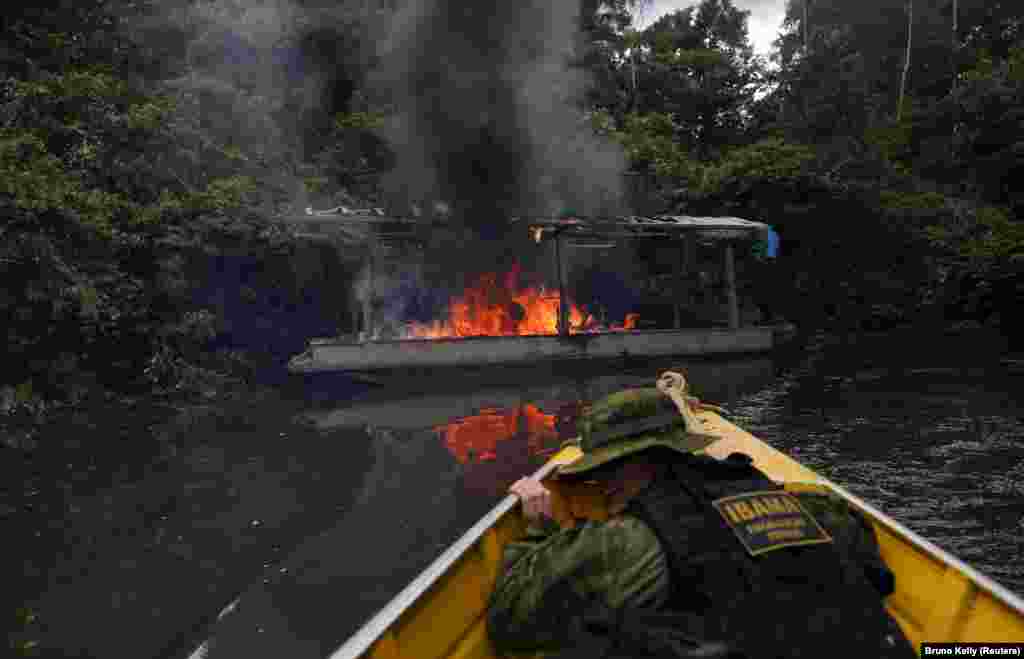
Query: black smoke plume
{"points": [[487, 115]]}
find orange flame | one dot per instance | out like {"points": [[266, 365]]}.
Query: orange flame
{"points": [[487, 309]]}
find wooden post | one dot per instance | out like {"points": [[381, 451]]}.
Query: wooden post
{"points": [[563, 307], [689, 248], [679, 287], [352, 299], [353, 314], [906, 59], [371, 293], [730, 287]]}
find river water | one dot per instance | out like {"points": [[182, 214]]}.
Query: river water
{"points": [[930, 431], [306, 523]]}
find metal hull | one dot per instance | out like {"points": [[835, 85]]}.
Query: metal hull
{"points": [[482, 351]]}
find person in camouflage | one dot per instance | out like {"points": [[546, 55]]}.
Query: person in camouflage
{"points": [[663, 551]]}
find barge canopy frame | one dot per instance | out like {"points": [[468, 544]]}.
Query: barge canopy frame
{"points": [[676, 228], [371, 229]]}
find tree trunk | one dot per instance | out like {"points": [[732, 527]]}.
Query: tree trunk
{"points": [[955, 65], [635, 101], [708, 115], [806, 3], [906, 59], [954, 47], [804, 101]]}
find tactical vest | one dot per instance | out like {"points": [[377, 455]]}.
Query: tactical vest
{"points": [[750, 576]]}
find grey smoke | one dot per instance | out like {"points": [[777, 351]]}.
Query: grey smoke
{"points": [[248, 72], [486, 115], [483, 91], [231, 65]]}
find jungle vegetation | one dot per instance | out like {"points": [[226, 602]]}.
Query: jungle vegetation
{"points": [[146, 146]]}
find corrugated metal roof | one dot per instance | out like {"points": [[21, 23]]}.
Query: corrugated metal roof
{"points": [[628, 226], [681, 222], [636, 226]]}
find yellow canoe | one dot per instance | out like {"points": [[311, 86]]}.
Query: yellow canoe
{"points": [[441, 614]]}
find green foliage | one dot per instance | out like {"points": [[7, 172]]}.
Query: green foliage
{"points": [[772, 160], [358, 120], [317, 184], [897, 200], [102, 181], [703, 59], [33, 180], [696, 65], [27, 170], [149, 115], [918, 212], [650, 144], [23, 393], [1015, 64], [23, 641], [1001, 239], [92, 85], [991, 243], [893, 141], [127, 149], [222, 194], [602, 123]]}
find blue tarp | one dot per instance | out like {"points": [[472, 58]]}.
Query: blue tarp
{"points": [[772, 250], [767, 245]]}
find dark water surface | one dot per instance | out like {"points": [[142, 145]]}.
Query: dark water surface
{"points": [[312, 518], [929, 429]]}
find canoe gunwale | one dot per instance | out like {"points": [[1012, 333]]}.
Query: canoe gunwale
{"points": [[376, 626]]}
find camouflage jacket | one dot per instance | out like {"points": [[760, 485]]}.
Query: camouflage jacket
{"points": [[549, 577]]}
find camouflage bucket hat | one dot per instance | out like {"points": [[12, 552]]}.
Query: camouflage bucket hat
{"points": [[628, 422]]}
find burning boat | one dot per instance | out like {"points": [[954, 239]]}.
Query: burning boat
{"points": [[504, 317]]}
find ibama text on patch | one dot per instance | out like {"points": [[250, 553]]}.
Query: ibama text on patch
{"points": [[765, 521]]}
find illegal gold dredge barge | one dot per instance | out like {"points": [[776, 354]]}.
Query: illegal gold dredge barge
{"points": [[547, 325]]}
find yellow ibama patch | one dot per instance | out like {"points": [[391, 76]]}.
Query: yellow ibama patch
{"points": [[765, 521]]}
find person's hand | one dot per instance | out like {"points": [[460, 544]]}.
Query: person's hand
{"points": [[670, 381], [535, 497], [674, 386]]}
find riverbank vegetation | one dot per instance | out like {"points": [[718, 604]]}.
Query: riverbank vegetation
{"points": [[140, 167], [882, 142], [145, 148]]}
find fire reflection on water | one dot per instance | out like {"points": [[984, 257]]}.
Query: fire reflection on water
{"points": [[485, 443]]}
